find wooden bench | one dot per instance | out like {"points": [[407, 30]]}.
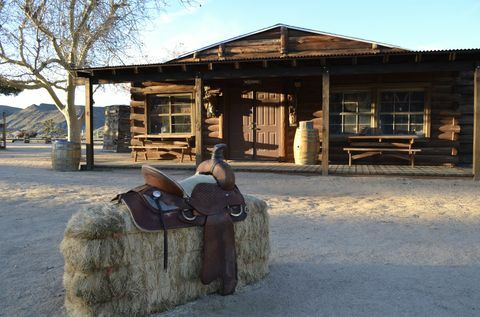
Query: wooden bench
{"points": [[143, 149], [367, 152]]}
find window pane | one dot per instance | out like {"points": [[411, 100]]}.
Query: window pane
{"points": [[386, 97], [401, 128], [401, 119], [350, 129], [158, 105], [364, 119], [181, 99], [159, 124], [181, 128], [417, 96], [401, 106], [387, 129], [350, 119], [417, 106], [181, 120], [181, 109], [401, 97], [386, 119], [416, 128], [350, 106], [416, 118]]}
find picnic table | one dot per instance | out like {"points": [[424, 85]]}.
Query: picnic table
{"points": [[400, 146], [164, 142]]}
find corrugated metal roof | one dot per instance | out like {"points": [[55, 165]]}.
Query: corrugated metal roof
{"points": [[277, 58]]}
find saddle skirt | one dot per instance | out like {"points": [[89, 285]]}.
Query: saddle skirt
{"points": [[162, 204]]}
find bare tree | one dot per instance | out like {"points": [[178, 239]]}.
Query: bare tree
{"points": [[42, 42]]}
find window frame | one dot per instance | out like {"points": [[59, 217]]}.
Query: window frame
{"points": [[375, 92], [357, 113], [169, 114], [425, 113]]}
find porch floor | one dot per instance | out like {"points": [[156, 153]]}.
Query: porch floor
{"points": [[123, 160]]}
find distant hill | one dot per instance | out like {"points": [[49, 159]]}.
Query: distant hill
{"points": [[31, 118], [9, 110]]}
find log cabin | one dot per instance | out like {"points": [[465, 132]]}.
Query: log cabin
{"points": [[252, 90]]}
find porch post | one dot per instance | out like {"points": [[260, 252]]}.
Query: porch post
{"points": [[89, 123], [476, 125], [198, 120], [326, 120]]}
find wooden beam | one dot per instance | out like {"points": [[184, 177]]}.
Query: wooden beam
{"points": [[210, 66], [326, 121], [283, 41], [476, 125], [237, 65], [298, 71], [198, 120], [221, 51], [89, 124], [282, 148], [184, 67], [265, 64]]}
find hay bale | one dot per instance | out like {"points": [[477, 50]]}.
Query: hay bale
{"points": [[114, 269]]}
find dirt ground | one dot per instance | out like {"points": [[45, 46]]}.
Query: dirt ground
{"points": [[341, 246]]}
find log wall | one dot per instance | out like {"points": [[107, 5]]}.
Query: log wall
{"points": [[138, 112]]}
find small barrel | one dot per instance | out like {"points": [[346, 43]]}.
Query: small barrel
{"points": [[65, 155], [306, 144]]}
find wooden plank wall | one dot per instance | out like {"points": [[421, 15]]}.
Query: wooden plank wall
{"points": [[451, 104], [138, 109], [283, 42]]}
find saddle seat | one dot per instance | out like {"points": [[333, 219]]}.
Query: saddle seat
{"points": [[200, 200]]}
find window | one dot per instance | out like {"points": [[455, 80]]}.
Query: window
{"points": [[402, 112], [169, 113], [350, 112]]}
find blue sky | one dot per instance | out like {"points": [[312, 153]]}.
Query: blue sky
{"points": [[421, 24]]}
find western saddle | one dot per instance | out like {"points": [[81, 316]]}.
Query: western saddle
{"points": [[209, 198]]}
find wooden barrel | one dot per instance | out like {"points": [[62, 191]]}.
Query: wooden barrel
{"points": [[306, 144], [65, 155]]}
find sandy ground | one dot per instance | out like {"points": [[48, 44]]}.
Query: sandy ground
{"points": [[341, 246]]}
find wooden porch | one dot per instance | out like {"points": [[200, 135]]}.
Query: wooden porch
{"points": [[109, 160]]}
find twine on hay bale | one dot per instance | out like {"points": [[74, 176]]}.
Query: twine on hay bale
{"points": [[114, 269]]}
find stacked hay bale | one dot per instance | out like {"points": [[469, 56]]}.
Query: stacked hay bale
{"points": [[114, 269]]}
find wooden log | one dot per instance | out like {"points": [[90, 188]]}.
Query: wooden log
{"points": [[137, 116], [136, 103], [165, 88], [213, 127], [449, 128], [448, 136], [213, 120], [140, 130]]}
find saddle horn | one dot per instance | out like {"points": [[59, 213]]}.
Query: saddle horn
{"points": [[218, 168]]}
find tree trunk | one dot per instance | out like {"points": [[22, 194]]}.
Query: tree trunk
{"points": [[73, 124], [70, 113]]}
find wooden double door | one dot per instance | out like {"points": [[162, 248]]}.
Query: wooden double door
{"points": [[255, 122]]}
